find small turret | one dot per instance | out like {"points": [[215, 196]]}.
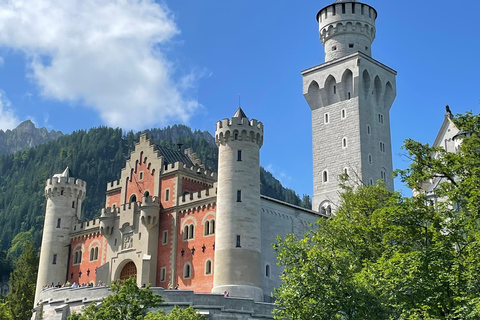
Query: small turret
{"points": [[345, 27], [64, 206], [237, 266]]}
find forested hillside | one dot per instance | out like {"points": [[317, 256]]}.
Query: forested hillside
{"points": [[96, 156]]}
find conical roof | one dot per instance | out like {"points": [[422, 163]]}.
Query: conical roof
{"points": [[240, 114]]}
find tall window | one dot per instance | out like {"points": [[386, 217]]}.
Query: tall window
{"points": [[165, 237], [167, 194], [239, 195], [54, 259], [239, 155], [267, 271], [163, 274], [238, 241], [209, 227], [325, 176], [326, 117], [208, 267], [59, 221], [187, 271], [188, 232]]}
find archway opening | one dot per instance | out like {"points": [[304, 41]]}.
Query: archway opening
{"points": [[129, 270]]}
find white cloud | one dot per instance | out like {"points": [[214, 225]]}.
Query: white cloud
{"points": [[104, 54], [8, 120]]}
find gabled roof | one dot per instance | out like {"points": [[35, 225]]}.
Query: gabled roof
{"points": [[171, 156], [447, 131]]}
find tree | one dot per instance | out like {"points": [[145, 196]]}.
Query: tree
{"points": [[384, 256], [177, 313], [127, 301], [22, 283]]}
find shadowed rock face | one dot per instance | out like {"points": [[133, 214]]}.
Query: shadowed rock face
{"points": [[25, 136]]}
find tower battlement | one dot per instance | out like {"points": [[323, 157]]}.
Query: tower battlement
{"points": [[346, 27], [57, 186], [239, 128]]}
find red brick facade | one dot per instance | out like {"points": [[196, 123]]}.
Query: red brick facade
{"points": [[85, 257], [175, 249]]}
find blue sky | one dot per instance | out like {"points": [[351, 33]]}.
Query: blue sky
{"points": [[70, 65]]}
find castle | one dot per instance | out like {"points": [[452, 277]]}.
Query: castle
{"points": [[170, 222]]}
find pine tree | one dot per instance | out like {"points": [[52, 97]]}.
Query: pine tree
{"points": [[22, 283]]}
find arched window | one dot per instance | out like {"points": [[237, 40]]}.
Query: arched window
{"points": [[92, 254], [344, 142], [208, 267], [96, 253], [185, 233], [191, 232], [187, 271], [146, 194], [77, 257], [133, 198], [207, 228]]}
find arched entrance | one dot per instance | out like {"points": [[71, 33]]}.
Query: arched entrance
{"points": [[129, 270]]}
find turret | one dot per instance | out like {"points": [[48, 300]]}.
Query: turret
{"points": [[237, 266], [64, 205], [346, 26]]}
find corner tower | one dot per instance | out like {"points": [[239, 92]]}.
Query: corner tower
{"points": [[237, 266], [350, 96], [64, 206]]}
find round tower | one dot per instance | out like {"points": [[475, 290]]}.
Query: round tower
{"points": [[64, 205], [345, 27], [237, 267]]}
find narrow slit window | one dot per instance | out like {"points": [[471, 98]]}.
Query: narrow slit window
{"points": [[163, 274], [167, 194], [165, 237], [334, 10], [343, 7], [54, 259], [326, 117], [238, 241], [334, 89], [239, 155], [73, 204], [59, 221], [239, 195]]}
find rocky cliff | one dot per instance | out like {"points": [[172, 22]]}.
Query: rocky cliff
{"points": [[25, 136]]}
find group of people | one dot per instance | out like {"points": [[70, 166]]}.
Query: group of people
{"points": [[73, 285]]}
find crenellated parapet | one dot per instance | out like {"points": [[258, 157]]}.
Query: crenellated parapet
{"points": [[112, 185], [194, 197], [239, 128], [65, 186], [87, 226], [346, 27]]}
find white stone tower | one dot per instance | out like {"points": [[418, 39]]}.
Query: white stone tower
{"points": [[237, 267], [64, 206], [350, 96]]}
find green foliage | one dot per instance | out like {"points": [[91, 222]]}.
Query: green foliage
{"points": [[96, 156], [5, 311], [177, 313], [18, 242], [127, 301], [382, 256], [22, 283]]}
